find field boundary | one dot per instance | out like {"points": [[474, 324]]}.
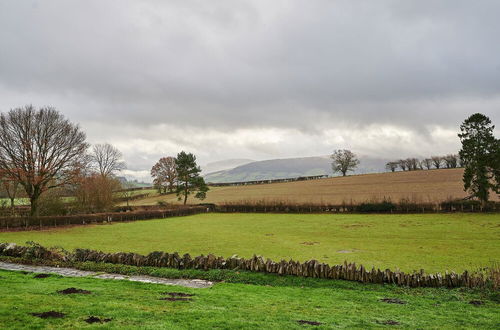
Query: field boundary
{"points": [[84, 219], [362, 208], [267, 181], [311, 268]]}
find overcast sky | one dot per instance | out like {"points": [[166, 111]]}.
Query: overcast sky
{"points": [[255, 79]]}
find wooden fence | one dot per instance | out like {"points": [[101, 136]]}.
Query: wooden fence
{"points": [[311, 268]]}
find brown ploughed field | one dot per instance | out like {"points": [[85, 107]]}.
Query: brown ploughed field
{"points": [[416, 186]]}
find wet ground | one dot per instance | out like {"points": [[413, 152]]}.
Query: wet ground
{"points": [[71, 272]]}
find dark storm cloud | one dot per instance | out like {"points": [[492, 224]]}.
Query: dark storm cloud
{"points": [[301, 65]]}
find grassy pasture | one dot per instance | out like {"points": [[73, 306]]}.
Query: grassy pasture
{"points": [[434, 242], [5, 202], [137, 192], [335, 304], [417, 186]]}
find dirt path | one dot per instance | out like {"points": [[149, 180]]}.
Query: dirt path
{"points": [[71, 272]]}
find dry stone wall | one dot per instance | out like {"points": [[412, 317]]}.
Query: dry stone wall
{"points": [[311, 268]]}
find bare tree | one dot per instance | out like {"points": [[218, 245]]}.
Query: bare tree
{"points": [[9, 186], [107, 159], [391, 166], [426, 163], [96, 193], [451, 161], [437, 161], [412, 164], [460, 161], [164, 174], [403, 164], [40, 149], [344, 161], [127, 191]]}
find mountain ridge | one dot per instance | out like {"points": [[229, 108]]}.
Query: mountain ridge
{"points": [[288, 168]]}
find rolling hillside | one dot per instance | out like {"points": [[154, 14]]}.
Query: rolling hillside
{"points": [[288, 168], [418, 186], [226, 164]]}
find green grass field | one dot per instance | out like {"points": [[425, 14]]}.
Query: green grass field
{"points": [[434, 242], [5, 202], [335, 304]]}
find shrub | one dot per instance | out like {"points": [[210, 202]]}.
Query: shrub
{"points": [[381, 207]]}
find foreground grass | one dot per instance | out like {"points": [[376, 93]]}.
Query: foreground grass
{"points": [[434, 242], [337, 304]]}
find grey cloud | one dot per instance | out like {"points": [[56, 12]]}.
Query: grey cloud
{"points": [[228, 65]]}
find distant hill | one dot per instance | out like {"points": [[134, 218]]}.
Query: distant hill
{"points": [[133, 183], [224, 165], [288, 168]]}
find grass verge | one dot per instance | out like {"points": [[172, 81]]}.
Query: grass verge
{"points": [[271, 302]]}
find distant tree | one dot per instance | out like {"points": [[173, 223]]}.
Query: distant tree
{"points": [[403, 164], [40, 149], [164, 174], [451, 161], [126, 191], [107, 160], [344, 161], [10, 187], [480, 155], [96, 193], [437, 161], [460, 162], [426, 163], [391, 166], [188, 176], [412, 164]]}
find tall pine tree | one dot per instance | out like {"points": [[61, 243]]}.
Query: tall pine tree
{"points": [[480, 156], [188, 177]]}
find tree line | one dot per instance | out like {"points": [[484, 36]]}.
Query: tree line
{"points": [[479, 156], [181, 175], [434, 162], [45, 158]]}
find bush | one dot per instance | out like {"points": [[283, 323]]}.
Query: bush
{"points": [[13, 222], [381, 207], [52, 203]]}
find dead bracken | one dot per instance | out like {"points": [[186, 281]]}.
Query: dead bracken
{"points": [[73, 291], [309, 322], [49, 314], [393, 301]]}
